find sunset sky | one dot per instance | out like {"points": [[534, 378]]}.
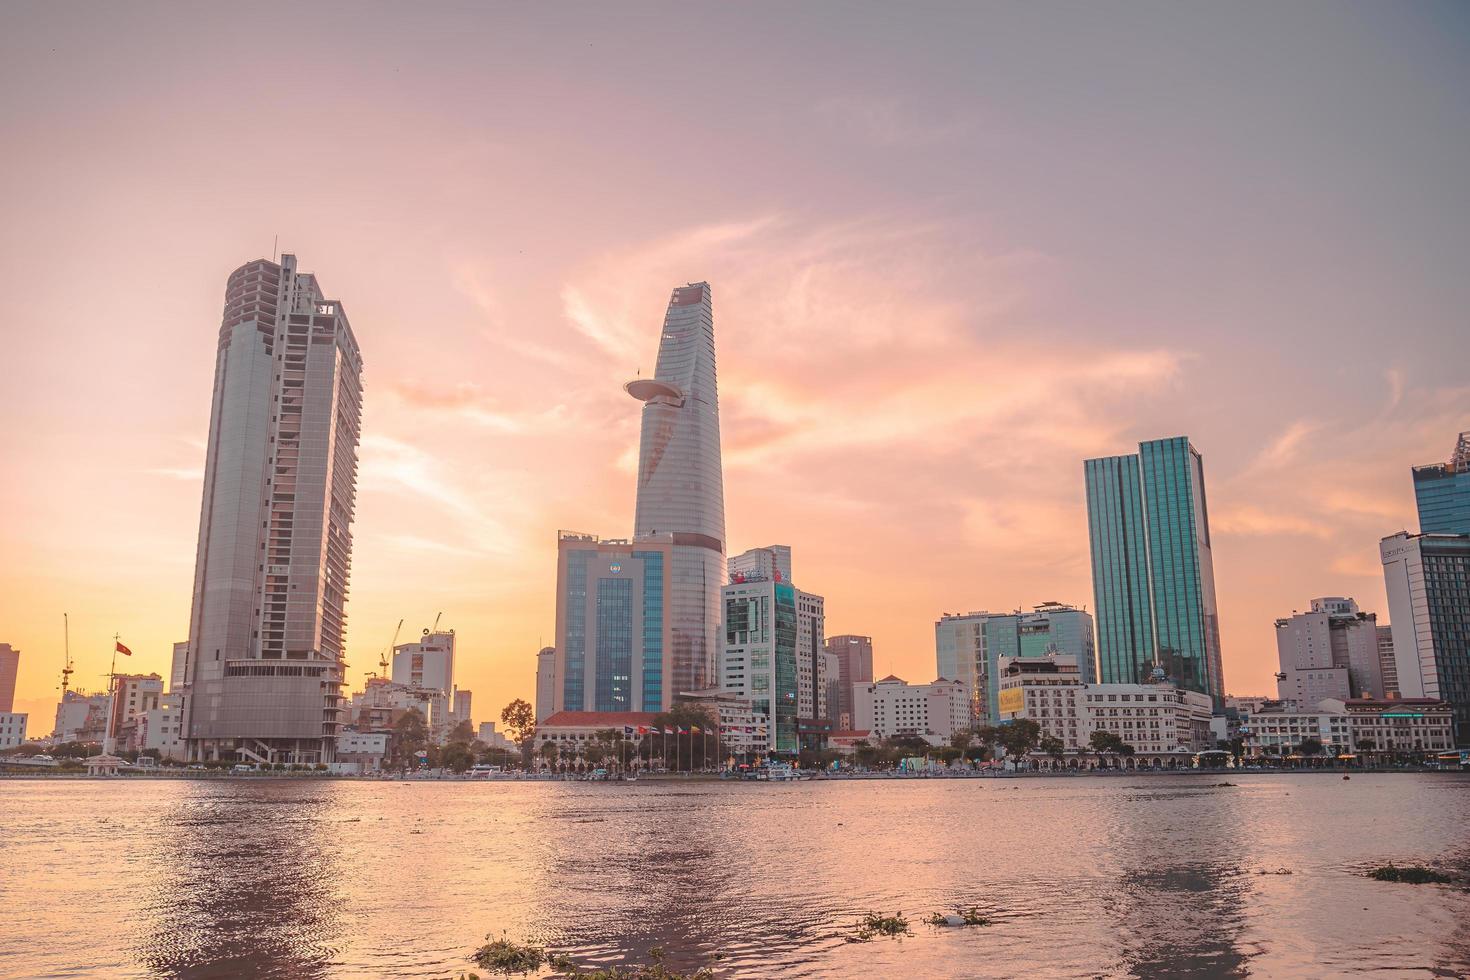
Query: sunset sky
{"points": [[954, 250]]}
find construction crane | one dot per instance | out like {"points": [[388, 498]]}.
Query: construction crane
{"points": [[66, 669], [383, 658], [436, 623]]}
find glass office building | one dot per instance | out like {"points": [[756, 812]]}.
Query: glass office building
{"points": [[1153, 568], [680, 482], [612, 630], [760, 655], [1442, 492]]}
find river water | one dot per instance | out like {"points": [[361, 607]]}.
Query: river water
{"points": [[1155, 875]]}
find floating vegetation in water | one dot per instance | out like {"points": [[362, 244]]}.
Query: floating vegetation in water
{"points": [[1278, 871], [504, 956], [969, 917], [1413, 874], [1222, 785], [873, 924]]}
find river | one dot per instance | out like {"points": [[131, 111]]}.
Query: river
{"points": [[1158, 875]]}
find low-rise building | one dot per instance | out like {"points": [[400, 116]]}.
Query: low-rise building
{"points": [[81, 717], [1410, 725], [367, 750], [849, 741], [744, 731], [1159, 720], [12, 729], [161, 728], [892, 706]]}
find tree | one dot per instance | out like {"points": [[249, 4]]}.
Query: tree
{"points": [[961, 739], [408, 739], [519, 719], [1020, 736], [1310, 746], [689, 751], [1053, 747], [462, 733], [457, 757], [549, 752], [1104, 742]]}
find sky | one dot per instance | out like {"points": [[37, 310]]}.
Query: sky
{"points": [[955, 249]]}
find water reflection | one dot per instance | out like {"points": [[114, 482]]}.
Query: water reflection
{"points": [[248, 885]]}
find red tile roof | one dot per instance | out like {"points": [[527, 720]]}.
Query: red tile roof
{"points": [[597, 719]]}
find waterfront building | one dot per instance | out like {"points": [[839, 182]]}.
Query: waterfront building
{"points": [[760, 656], [382, 702], [1387, 667], [854, 666], [81, 717], [1426, 576], [1331, 651], [1153, 573], [1353, 727], [1442, 492], [161, 727], [570, 731], [614, 632], [267, 623], [12, 729], [545, 683], [367, 751], [9, 672], [681, 485], [744, 732], [969, 648], [847, 741], [832, 690], [1160, 720], [811, 660], [892, 706], [134, 695]]}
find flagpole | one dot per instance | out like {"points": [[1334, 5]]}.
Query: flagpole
{"points": [[108, 740]]}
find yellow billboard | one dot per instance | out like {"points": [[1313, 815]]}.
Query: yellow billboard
{"points": [[1012, 699]]}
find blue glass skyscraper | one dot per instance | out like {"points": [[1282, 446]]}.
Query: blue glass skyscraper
{"points": [[1442, 491], [1153, 573]]}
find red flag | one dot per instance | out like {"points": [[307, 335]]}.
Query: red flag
{"points": [[124, 650]]}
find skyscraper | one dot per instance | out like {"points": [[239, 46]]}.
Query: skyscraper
{"points": [[1329, 652], [266, 627], [1153, 572], [1429, 610], [545, 683], [680, 483], [969, 647], [1442, 491]]}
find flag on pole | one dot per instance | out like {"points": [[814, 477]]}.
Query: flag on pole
{"points": [[627, 730], [642, 729], [123, 650], [681, 731], [694, 729]]}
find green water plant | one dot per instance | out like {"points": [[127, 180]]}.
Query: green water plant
{"points": [[1413, 874], [968, 917], [504, 956], [873, 925]]}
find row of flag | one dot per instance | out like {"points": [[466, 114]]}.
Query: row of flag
{"points": [[630, 730]]}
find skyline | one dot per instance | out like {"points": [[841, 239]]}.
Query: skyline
{"points": [[920, 345]]}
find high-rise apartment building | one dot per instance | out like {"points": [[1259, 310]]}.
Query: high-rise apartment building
{"points": [[854, 666], [968, 648], [614, 639], [545, 683], [680, 482], [773, 564], [1442, 491], [178, 674], [428, 662], [268, 618], [1153, 571], [1428, 581], [9, 671], [1330, 651]]}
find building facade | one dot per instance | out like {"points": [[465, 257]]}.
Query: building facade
{"points": [[9, 672], [427, 662], [268, 618], [759, 662], [1330, 651], [970, 647], [1442, 492], [12, 729], [1353, 727], [614, 638], [1153, 571], [1428, 581], [892, 706], [81, 717], [854, 655], [1388, 669], [545, 683], [681, 489]]}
